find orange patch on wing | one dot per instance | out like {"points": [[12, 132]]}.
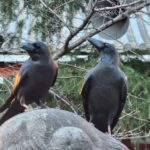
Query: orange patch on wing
{"points": [[17, 80]]}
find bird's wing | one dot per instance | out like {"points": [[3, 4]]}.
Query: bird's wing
{"points": [[21, 76], [16, 82], [19, 81], [84, 92], [123, 97], [56, 72], [123, 93]]}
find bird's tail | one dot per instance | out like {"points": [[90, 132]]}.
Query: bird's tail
{"points": [[7, 103], [14, 109]]}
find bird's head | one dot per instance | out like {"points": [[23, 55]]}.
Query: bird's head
{"points": [[37, 50], [107, 50], [104, 48]]}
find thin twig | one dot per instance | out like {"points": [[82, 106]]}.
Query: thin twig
{"points": [[70, 77], [73, 66], [54, 13], [73, 34], [62, 99], [134, 137], [117, 6], [64, 4]]}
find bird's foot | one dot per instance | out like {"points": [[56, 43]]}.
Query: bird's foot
{"points": [[23, 104], [27, 108], [92, 124]]}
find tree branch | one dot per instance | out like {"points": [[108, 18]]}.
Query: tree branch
{"points": [[117, 6], [63, 100], [67, 48], [54, 13]]}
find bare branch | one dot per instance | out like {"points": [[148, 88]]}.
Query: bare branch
{"points": [[64, 4], [54, 13], [70, 77], [134, 137], [67, 48], [108, 24], [73, 66], [62, 99], [117, 6]]}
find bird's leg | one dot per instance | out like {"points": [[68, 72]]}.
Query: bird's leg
{"points": [[22, 102], [90, 121], [109, 129]]}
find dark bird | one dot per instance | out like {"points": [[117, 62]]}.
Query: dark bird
{"points": [[105, 89], [32, 82]]}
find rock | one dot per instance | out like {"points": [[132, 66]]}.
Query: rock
{"points": [[53, 129]]}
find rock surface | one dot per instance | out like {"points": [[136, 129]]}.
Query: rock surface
{"points": [[53, 129]]}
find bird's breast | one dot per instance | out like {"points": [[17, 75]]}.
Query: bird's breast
{"points": [[38, 82], [104, 87]]}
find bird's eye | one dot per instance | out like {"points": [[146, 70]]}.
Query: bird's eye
{"points": [[37, 45]]}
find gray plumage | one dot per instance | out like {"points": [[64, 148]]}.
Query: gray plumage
{"points": [[105, 89]]}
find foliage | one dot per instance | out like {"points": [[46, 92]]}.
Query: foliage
{"points": [[135, 117], [45, 24], [136, 112]]}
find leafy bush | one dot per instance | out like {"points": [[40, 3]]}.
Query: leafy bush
{"points": [[66, 94]]}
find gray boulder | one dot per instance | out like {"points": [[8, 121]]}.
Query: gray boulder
{"points": [[53, 129]]}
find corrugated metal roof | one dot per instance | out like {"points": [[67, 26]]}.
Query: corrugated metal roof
{"points": [[13, 58]]}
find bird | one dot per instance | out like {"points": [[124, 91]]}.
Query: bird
{"points": [[36, 75], [105, 89]]}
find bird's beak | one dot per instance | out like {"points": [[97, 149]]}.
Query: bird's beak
{"points": [[28, 47], [96, 43]]}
